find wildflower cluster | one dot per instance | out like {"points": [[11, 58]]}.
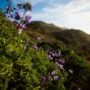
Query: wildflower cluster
{"points": [[56, 58], [19, 19]]}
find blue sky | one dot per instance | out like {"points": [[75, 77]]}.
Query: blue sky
{"points": [[64, 13]]}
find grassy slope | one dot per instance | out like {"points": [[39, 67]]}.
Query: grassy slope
{"points": [[75, 39]]}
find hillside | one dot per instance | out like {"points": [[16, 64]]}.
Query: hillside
{"points": [[25, 66], [75, 39]]}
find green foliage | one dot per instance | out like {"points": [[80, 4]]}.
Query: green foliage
{"points": [[81, 74], [7, 32], [81, 70], [23, 69], [75, 39]]}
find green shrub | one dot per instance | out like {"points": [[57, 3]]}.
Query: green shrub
{"points": [[23, 69]]}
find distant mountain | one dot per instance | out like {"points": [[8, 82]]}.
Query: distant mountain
{"points": [[75, 39]]}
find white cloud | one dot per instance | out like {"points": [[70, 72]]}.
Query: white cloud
{"points": [[75, 14]]}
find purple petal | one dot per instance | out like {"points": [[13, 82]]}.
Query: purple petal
{"points": [[23, 26], [25, 48], [61, 66], [57, 64], [43, 78], [70, 71], [20, 30], [62, 61], [35, 47], [52, 73], [56, 77], [23, 42]]}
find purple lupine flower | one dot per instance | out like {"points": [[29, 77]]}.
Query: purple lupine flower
{"points": [[49, 56], [23, 26], [23, 42], [27, 16], [35, 47], [70, 71], [62, 61], [61, 66], [43, 78], [46, 51], [59, 52], [20, 30], [19, 16], [52, 73], [51, 66], [57, 64], [51, 59], [55, 54], [28, 19], [50, 52], [55, 77], [25, 48]]}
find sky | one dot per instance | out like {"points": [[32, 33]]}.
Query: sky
{"points": [[64, 13]]}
